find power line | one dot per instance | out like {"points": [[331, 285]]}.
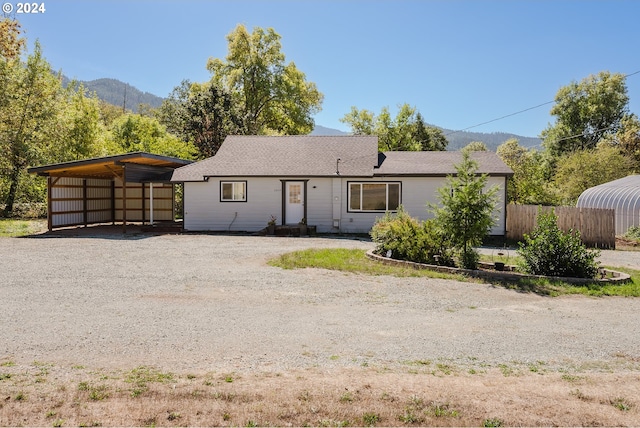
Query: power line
{"points": [[500, 118], [519, 112]]}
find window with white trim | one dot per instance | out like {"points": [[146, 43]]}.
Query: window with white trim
{"points": [[233, 191], [371, 196]]}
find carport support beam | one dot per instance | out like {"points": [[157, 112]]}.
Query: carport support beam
{"points": [[124, 198], [150, 203]]}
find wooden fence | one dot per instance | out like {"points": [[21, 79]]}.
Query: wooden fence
{"points": [[597, 226]]}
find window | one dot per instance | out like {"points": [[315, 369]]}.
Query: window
{"points": [[374, 196], [233, 191]]}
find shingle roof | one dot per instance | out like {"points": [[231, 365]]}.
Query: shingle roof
{"points": [[287, 156], [317, 156], [437, 163]]}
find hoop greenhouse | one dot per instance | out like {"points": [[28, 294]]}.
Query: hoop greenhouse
{"points": [[623, 195]]}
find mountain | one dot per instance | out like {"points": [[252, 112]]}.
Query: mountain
{"points": [[114, 92], [321, 130], [458, 139], [119, 93]]}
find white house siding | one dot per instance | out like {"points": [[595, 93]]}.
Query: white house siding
{"points": [[416, 192], [204, 211], [319, 204], [327, 203]]}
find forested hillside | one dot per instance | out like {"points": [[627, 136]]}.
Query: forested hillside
{"points": [[118, 93]]}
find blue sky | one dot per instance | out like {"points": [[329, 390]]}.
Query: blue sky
{"points": [[460, 63]]}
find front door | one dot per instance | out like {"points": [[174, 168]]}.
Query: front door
{"points": [[294, 202]]}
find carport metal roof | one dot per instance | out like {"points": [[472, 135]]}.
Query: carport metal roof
{"points": [[138, 167]]}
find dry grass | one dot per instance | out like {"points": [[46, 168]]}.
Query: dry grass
{"points": [[45, 395]]}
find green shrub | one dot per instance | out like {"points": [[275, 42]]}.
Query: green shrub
{"points": [[409, 239], [550, 251], [633, 233]]}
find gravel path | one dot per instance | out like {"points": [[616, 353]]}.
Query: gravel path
{"points": [[210, 302]]}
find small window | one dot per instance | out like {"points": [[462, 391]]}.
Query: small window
{"points": [[374, 196], [233, 191]]}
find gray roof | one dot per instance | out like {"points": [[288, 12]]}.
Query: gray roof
{"points": [[287, 156], [317, 156], [437, 163]]}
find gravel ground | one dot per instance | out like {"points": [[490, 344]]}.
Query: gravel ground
{"points": [[210, 302]]}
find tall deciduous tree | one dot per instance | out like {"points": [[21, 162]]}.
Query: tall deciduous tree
{"points": [[627, 139], [29, 96], [583, 169], [133, 133], [11, 42], [529, 184], [210, 115], [586, 112], [80, 133], [274, 96]]}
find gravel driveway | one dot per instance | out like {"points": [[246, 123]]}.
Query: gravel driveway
{"points": [[210, 302]]}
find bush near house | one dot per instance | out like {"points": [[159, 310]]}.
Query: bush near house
{"points": [[550, 251], [410, 239]]}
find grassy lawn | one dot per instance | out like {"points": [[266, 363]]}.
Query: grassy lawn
{"points": [[346, 260], [355, 261], [13, 228]]}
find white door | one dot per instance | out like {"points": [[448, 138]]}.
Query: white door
{"points": [[294, 206]]}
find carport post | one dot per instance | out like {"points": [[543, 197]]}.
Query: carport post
{"points": [[151, 203], [124, 198]]}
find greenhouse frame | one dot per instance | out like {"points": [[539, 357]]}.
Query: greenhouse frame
{"points": [[623, 195]]}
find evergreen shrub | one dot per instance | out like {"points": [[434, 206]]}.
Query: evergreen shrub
{"points": [[550, 251]]}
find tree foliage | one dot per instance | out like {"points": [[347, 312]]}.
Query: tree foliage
{"points": [[475, 146], [465, 213], [273, 96], [11, 42], [406, 132], [430, 138], [529, 184], [583, 169], [586, 112], [29, 96], [210, 115], [136, 133]]}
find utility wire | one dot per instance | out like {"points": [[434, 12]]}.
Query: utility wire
{"points": [[499, 118], [521, 111]]}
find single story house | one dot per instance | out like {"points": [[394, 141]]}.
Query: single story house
{"points": [[336, 183]]}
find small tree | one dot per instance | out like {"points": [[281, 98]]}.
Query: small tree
{"points": [[552, 252], [465, 214]]}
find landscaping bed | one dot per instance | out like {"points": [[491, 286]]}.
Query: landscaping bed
{"points": [[488, 271]]}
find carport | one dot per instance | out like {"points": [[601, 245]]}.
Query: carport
{"points": [[120, 188]]}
